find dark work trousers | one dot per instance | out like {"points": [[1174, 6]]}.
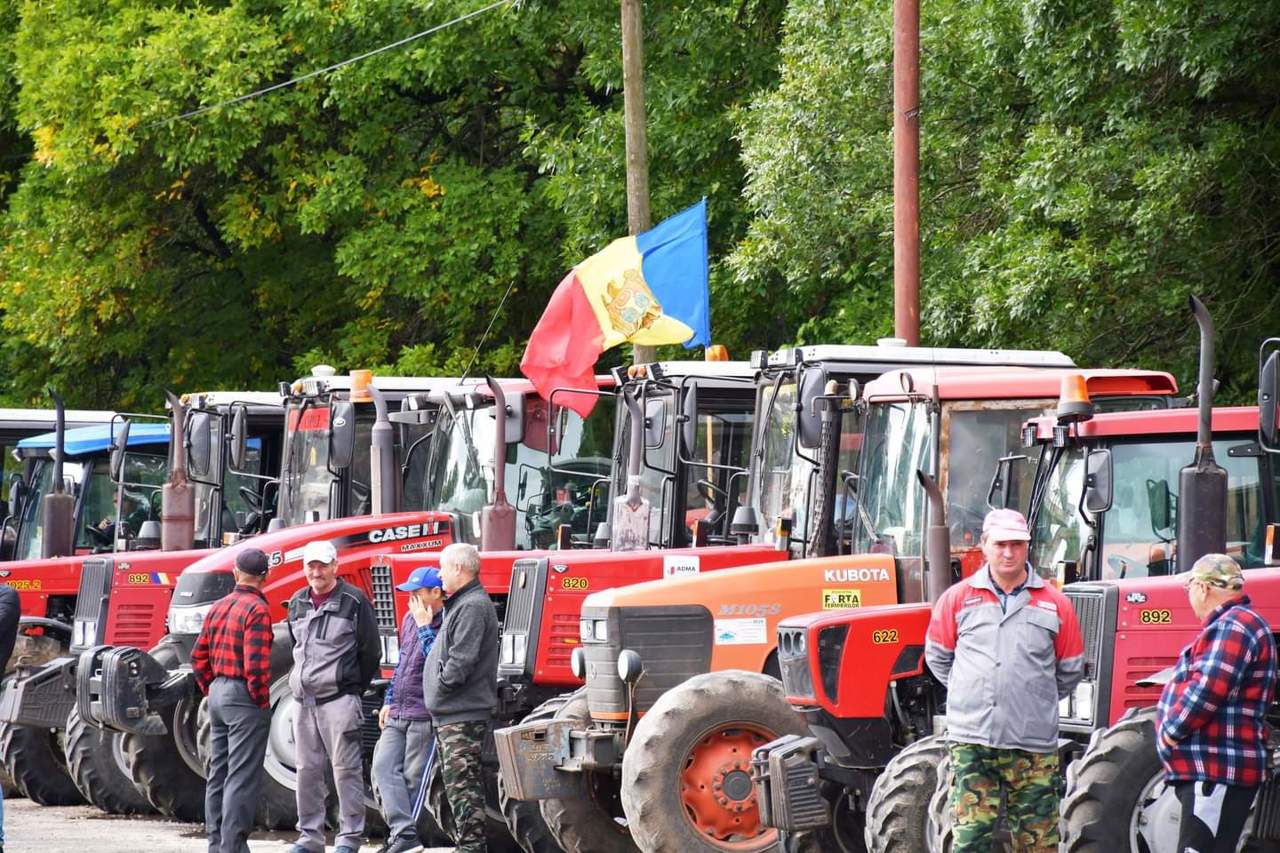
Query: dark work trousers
{"points": [[398, 760], [1213, 815], [327, 734], [234, 776]]}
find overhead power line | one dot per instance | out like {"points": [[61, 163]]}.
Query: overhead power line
{"points": [[331, 68]]}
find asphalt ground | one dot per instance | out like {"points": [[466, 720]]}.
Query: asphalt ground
{"points": [[85, 829]]}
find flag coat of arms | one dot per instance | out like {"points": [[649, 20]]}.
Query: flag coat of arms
{"points": [[648, 289]]}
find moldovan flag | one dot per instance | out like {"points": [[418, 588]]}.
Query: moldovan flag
{"points": [[647, 289]]}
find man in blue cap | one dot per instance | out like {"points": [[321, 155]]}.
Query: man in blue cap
{"points": [[405, 741]]}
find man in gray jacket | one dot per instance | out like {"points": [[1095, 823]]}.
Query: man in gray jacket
{"points": [[460, 687], [1007, 646], [336, 652]]}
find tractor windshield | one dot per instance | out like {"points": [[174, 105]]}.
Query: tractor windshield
{"points": [[460, 473], [891, 502], [789, 472], [31, 527], [784, 474], [306, 483], [1138, 533]]}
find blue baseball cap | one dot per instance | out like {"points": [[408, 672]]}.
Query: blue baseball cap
{"points": [[423, 578]]}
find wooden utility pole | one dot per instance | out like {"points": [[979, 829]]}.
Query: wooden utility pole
{"points": [[634, 120], [906, 170]]}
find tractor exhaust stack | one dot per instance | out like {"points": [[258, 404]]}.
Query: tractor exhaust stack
{"points": [[384, 479], [937, 542], [178, 496], [59, 507], [1202, 485], [498, 519]]}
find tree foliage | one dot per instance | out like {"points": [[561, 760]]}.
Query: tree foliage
{"points": [[375, 216], [1086, 165]]}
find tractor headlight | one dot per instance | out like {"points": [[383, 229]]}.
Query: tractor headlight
{"points": [[519, 649], [594, 630], [188, 619], [508, 649], [84, 633]]}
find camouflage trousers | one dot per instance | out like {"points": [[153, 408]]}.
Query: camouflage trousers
{"points": [[460, 745], [1031, 791]]}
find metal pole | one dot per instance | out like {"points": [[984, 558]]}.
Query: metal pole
{"points": [[906, 170], [634, 121]]}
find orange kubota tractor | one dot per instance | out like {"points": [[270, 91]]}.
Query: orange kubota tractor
{"points": [[654, 753]]}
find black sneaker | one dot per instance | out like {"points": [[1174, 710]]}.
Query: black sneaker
{"points": [[399, 844]]}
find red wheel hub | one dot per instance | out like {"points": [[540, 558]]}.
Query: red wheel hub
{"points": [[719, 797]]}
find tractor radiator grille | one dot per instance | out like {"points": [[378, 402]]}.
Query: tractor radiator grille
{"points": [[520, 624], [384, 606], [1088, 605], [91, 603]]}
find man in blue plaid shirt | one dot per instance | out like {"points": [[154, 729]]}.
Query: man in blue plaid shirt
{"points": [[1210, 731]]}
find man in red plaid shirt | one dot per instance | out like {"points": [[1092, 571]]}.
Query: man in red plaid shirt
{"points": [[1210, 731], [232, 664]]}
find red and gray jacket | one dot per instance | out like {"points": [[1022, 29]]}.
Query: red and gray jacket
{"points": [[1005, 667], [336, 649]]}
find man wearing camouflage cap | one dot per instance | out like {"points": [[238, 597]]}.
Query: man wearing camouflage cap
{"points": [[1210, 731]]}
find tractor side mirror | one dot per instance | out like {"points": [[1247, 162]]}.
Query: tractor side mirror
{"points": [[809, 420], [239, 437], [17, 494], [1160, 504], [199, 440], [1098, 481], [1268, 399], [689, 418], [342, 434], [119, 446], [1002, 481], [655, 423]]}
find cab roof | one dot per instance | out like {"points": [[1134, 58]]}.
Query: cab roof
{"points": [[95, 439], [215, 399], [709, 369], [1010, 383], [42, 419], [892, 352], [1164, 422]]}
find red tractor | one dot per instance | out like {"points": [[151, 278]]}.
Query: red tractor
{"points": [[654, 753], [346, 454], [113, 514], [1116, 796], [1103, 505]]}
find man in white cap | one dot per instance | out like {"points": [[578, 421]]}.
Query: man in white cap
{"points": [[336, 652], [1007, 646]]}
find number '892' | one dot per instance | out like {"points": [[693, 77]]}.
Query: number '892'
{"points": [[1155, 617]]}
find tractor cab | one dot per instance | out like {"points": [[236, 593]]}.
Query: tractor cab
{"points": [[327, 471], [551, 466], [88, 478]]}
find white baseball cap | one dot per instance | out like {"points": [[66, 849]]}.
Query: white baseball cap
{"points": [[319, 551]]}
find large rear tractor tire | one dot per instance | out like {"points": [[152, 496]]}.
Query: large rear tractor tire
{"points": [[898, 807], [95, 758], [591, 821], [686, 774], [1116, 795], [33, 758]]}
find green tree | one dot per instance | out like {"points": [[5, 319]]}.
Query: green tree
{"points": [[375, 216], [1086, 165]]}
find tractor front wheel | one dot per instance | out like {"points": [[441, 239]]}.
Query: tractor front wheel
{"points": [[898, 808], [95, 757], [591, 821], [686, 774], [34, 759]]}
